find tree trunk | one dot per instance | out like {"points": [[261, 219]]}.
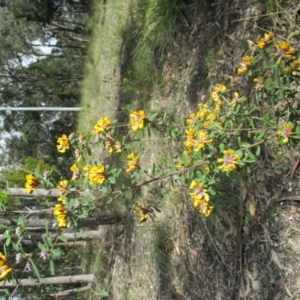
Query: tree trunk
{"points": [[89, 278]]}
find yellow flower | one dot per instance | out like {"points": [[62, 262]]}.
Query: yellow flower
{"points": [[192, 120], [31, 183], [284, 50], [63, 199], [236, 99], [264, 41], [62, 186], [203, 207], [2, 259], [97, 174], [4, 271], [286, 132], [199, 193], [102, 125], [229, 161], [132, 162], [294, 67], [137, 120], [260, 83], [142, 213], [77, 154], [63, 144], [61, 215], [202, 112], [218, 90], [118, 146], [201, 140], [245, 64], [76, 172], [109, 143], [62, 220]]}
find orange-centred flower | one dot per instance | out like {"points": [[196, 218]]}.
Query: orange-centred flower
{"points": [[31, 183], [229, 161], [132, 162], [102, 125], [63, 144], [286, 132], [4, 268], [137, 120]]}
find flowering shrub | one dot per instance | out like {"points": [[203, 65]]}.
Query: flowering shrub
{"points": [[223, 135]]}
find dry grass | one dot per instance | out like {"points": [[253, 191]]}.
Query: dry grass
{"points": [[234, 254]]}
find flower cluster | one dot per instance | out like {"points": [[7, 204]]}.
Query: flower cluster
{"points": [[265, 40], [63, 144], [31, 183], [200, 198], [286, 132], [61, 215], [229, 161], [102, 125], [4, 268], [96, 174], [247, 62], [62, 187], [137, 120]]}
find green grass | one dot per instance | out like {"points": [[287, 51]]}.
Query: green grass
{"points": [[101, 82]]}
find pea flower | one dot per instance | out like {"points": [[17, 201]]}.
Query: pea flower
{"points": [[76, 172], [294, 67], [63, 144], [286, 132], [246, 63], [236, 99], [137, 120], [4, 268], [62, 185], [199, 193], [132, 162], [229, 161], [142, 213], [118, 147], [61, 215], [265, 41], [102, 125], [284, 50], [260, 83], [31, 183], [96, 174]]}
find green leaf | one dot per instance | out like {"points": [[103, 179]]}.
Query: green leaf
{"points": [[63, 238], [41, 246], [56, 253], [258, 151], [239, 141], [245, 145], [36, 271], [51, 267], [49, 242], [268, 122]]}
